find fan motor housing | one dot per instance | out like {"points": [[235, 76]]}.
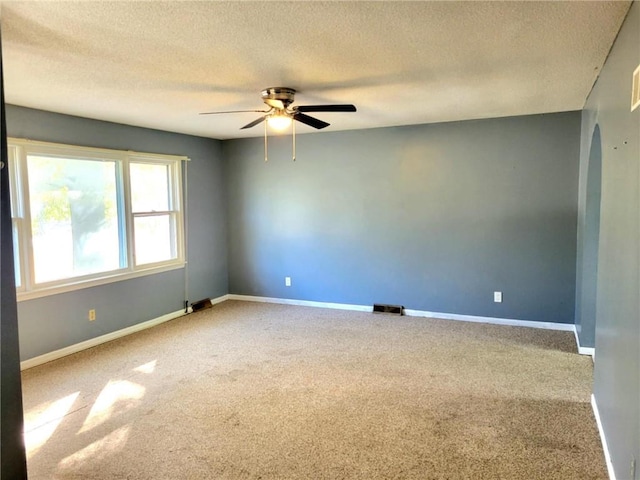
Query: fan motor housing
{"points": [[284, 94]]}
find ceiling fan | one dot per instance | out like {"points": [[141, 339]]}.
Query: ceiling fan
{"points": [[280, 113]]}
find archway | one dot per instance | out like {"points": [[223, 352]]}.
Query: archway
{"points": [[590, 244]]}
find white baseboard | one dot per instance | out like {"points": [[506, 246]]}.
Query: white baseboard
{"points": [[565, 327], [93, 342], [411, 313], [304, 303], [583, 350], [607, 456], [220, 299]]}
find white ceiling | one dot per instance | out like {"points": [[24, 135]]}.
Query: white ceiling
{"points": [[158, 64]]}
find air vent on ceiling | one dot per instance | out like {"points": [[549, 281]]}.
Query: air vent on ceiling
{"points": [[635, 90]]}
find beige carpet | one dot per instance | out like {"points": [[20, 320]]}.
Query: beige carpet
{"points": [[259, 391]]}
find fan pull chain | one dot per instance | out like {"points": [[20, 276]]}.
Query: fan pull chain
{"points": [[293, 126], [265, 141]]}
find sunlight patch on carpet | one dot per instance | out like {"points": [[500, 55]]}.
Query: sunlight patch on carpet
{"points": [[117, 396], [98, 450], [39, 428], [148, 367]]}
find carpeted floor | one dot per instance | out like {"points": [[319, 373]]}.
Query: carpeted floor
{"points": [[261, 391]]}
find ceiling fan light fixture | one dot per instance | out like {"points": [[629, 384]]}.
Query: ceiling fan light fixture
{"points": [[279, 121]]}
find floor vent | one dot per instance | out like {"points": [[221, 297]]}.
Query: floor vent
{"points": [[393, 309], [201, 304]]}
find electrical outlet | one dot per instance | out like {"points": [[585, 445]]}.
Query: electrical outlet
{"points": [[287, 281], [497, 297], [92, 315]]}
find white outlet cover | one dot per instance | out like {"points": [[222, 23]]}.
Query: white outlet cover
{"points": [[497, 297], [287, 281]]}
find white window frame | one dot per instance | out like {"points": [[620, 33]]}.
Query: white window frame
{"points": [[19, 149]]}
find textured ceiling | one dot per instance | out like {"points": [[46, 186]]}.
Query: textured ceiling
{"points": [[158, 64]]}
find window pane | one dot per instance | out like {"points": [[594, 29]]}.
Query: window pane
{"points": [[149, 187], [16, 255], [155, 239], [74, 217]]}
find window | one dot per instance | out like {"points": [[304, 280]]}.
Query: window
{"points": [[84, 216], [154, 221]]}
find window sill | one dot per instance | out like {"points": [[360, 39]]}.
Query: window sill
{"points": [[94, 282]]}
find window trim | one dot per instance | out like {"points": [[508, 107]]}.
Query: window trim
{"points": [[21, 214]]}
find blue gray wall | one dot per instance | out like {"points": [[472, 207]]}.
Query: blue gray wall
{"points": [[432, 217], [617, 330], [57, 321]]}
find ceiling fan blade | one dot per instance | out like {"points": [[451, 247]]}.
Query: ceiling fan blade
{"points": [[279, 104], [312, 122], [254, 123], [326, 108], [233, 111]]}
